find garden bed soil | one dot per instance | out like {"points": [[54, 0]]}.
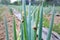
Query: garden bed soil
{"points": [[10, 27]]}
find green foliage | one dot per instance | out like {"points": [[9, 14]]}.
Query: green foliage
{"points": [[45, 22], [6, 2], [41, 23], [14, 29], [6, 28], [51, 25], [1, 18], [2, 10], [11, 11], [25, 21], [22, 31], [29, 22], [56, 28]]}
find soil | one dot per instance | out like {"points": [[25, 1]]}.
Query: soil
{"points": [[56, 18], [10, 27]]}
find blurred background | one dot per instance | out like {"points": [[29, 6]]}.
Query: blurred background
{"points": [[33, 2]]}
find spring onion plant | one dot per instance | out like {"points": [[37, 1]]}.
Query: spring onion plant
{"points": [[41, 23], [14, 29], [11, 11], [6, 28], [22, 31], [51, 25], [25, 20], [29, 21], [36, 20], [29, 34]]}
